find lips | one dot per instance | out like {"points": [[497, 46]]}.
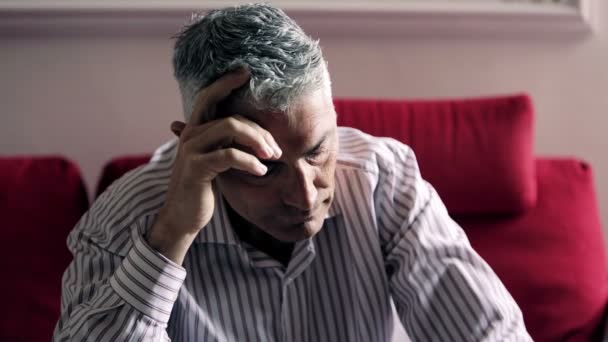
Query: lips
{"points": [[299, 217], [294, 220], [303, 219]]}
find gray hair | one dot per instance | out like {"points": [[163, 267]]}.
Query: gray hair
{"points": [[284, 62]]}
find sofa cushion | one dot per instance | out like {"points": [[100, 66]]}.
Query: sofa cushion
{"points": [[478, 153], [41, 199], [552, 259]]}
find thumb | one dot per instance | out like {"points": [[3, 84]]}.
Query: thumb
{"points": [[177, 127]]}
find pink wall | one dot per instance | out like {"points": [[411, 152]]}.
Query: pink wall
{"points": [[94, 97]]}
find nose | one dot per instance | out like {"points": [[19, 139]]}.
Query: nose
{"points": [[300, 192]]}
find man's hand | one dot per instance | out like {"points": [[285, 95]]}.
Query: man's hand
{"points": [[204, 151]]}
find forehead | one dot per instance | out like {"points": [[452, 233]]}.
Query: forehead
{"points": [[309, 118]]}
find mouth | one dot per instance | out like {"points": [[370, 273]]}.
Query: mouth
{"points": [[302, 220], [302, 217], [298, 220]]}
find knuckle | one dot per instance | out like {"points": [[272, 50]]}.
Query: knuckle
{"points": [[231, 123], [236, 127], [267, 135], [230, 154]]}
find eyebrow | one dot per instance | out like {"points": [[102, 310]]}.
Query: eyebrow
{"points": [[317, 145]]}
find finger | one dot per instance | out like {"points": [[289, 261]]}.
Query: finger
{"points": [[265, 134], [190, 132], [216, 162], [177, 127], [231, 132], [209, 96]]}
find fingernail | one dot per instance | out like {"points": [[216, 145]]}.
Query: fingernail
{"points": [[277, 151], [261, 168]]}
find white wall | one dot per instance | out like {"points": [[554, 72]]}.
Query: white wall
{"points": [[93, 97]]}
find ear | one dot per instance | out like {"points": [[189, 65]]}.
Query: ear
{"points": [[177, 127]]}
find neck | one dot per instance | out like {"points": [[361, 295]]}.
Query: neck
{"points": [[278, 250]]}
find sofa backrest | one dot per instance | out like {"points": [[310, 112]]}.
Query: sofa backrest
{"points": [[116, 167], [478, 153], [41, 199], [552, 258]]}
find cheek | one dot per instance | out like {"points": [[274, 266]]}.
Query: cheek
{"points": [[328, 170], [246, 199]]}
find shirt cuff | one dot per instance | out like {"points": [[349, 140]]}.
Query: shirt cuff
{"points": [[148, 281]]}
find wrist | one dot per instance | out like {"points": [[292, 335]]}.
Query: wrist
{"points": [[168, 241]]}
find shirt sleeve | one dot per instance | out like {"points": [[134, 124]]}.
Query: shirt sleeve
{"points": [[442, 289], [107, 297]]}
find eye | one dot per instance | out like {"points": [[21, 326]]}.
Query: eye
{"points": [[272, 170], [316, 155]]}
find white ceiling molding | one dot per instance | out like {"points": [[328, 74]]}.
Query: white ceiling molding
{"points": [[348, 18]]}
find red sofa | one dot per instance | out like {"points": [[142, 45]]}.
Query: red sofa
{"points": [[41, 199], [535, 220]]}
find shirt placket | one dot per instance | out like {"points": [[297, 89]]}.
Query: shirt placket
{"points": [[302, 257]]}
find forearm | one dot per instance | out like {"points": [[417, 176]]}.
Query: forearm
{"points": [[107, 318], [135, 301], [442, 288], [452, 293]]}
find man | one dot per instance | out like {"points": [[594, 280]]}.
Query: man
{"points": [[266, 222]]}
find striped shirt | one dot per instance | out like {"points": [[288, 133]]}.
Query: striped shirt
{"points": [[387, 236]]}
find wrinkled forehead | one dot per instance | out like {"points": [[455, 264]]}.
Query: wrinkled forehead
{"points": [[309, 118]]}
